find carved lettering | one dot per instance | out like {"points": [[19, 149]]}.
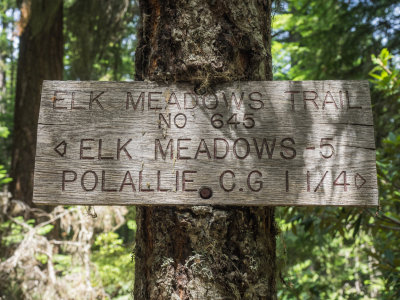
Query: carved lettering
{"points": [[292, 93], [83, 184], [344, 183], [287, 180], [103, 183], [332, 101], [258, 182], [73, 103], [159, 189], [179, 148], [82, 147], [270, 151], [129, 99], [222, 183], [270, 143], [55, 99], [202, 149], [95, 99], [349, 104], [216, 156], [161, 118], [320, 182], [305, 98], [287, 152], [176, 181], [141, 189], [151, 99], [127, 181], [185, 180], [247, 151], [100, 156], [194, 101], [210, 106], [158, 146], [65, 180], [182, 123], [123, 147], [260, 103], [176, 102], [238, 103]]}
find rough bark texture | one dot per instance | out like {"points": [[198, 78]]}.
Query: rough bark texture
{"points": [[40, 57], [205, 252]]}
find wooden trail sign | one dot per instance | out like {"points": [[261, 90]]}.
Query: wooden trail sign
{"points": [[248, 143]]}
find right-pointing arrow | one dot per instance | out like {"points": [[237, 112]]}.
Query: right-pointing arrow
{"points": [[64, 150], [357, 183]]}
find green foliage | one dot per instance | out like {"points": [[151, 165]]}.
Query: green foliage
{"points": [[345, 253], [132, 225], [3, 172], [42, 258], [332, 263], [350, 253], [3, 176], [4, 132], [386, 80], [100, 39], [100, 44], [114, 264], [324, 253], [387, 226], [8, 63], [11, 232], [62, 263], [332, 39], [43, 230]]}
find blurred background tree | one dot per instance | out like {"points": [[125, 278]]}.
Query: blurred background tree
{"points": [[40, 57], [324, 253], [74, 40], [100, 39]]}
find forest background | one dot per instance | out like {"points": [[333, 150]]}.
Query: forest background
{"points": [[323, 253]]}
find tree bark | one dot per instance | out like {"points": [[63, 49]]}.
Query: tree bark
{"points": [[40, 58], [205, 252]]}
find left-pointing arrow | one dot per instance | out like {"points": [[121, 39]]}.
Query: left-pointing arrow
{"points": [[61, 146]]}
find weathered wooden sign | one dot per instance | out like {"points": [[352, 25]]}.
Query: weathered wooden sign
{"points": [[248, 143]]}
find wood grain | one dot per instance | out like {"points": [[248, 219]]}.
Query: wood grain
{"points": [[320, 139]]}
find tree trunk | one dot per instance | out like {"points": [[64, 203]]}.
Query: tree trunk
{"points": [[40, 57], [92, 26], [205, 252]]}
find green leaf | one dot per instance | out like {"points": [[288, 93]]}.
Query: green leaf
{"points": [[4, 132], [132, 225], [45, 229]]}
